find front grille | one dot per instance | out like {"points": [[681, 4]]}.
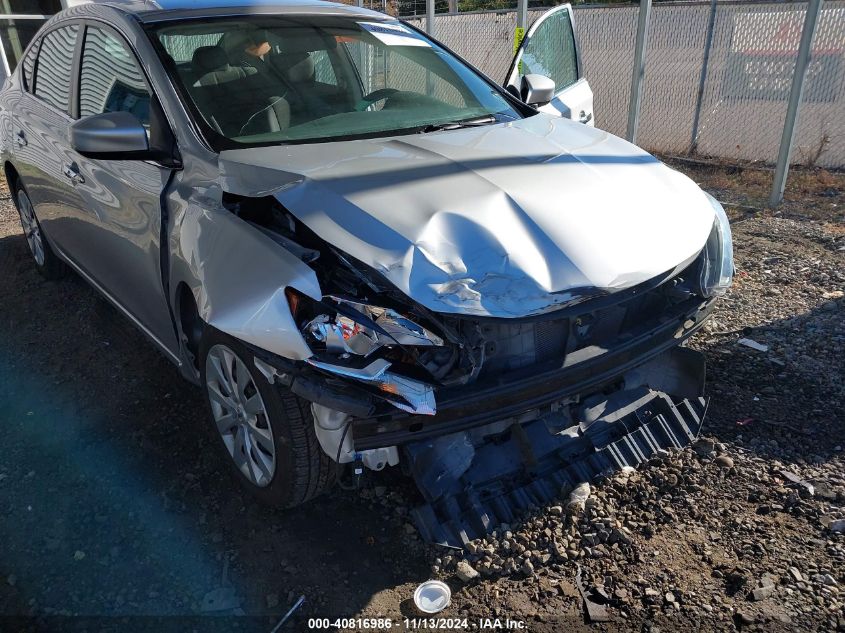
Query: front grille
{"points": [[550, 339], [513, 345]]}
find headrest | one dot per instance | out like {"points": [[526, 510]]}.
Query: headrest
{"points": [[237, 41], [299, 67], [208, 58]]}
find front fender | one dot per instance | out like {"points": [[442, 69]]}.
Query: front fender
{"points": [[238, 276]]}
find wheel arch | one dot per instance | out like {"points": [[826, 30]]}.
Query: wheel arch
{"points": [[11, 174], [189, 323]]}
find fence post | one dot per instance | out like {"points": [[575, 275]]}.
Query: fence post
{"points": [[639, 71], [429, 17], [708, 43], [521, 14], [521, 25], [795, 94]]}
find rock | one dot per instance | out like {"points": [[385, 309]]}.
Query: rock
{"points": [[764, 590], [11, 580], [837, 526], [762, 593], [826, 491], [669, 597], [600, 595], [78, 555], [828, 580], [556, 511], [795, 574], [410, 529], [618, 535], [577, 498], [466, 572], [745, 618], [704, 446], [272, 600], [724, 461], [527, 567], [806, 488]]}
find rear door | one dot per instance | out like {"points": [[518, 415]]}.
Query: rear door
{"points": [[40, 132], [550, 48], [122, 198]]}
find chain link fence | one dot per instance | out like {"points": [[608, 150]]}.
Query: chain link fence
{"points": [[744, 95]]}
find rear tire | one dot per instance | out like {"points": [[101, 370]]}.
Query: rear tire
{"points": [[265, 432], [46, 261]]}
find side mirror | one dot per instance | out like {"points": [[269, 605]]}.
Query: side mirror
{"points": [[537, 90], [110, 135]]}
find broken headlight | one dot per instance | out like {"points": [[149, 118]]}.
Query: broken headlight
{"points": [[361, 329], [347, 329], [717, 262]]}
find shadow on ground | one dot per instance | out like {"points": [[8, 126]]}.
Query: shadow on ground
{"points": [[114, 499]]}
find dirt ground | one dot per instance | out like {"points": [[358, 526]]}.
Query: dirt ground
{"points": [[115, 504]]}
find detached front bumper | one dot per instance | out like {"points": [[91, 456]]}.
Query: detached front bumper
{"points": [[527, 396], [473, 483]]}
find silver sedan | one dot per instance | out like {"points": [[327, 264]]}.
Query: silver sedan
{"points": [[362, 248]]}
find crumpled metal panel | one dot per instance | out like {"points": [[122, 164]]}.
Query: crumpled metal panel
{"points": [[240, 278], [505, 220]]}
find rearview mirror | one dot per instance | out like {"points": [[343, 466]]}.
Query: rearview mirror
{"points": [[110, 135], [537, 90]]}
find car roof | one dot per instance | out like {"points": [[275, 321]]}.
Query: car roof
{"points": [[158, 10]]}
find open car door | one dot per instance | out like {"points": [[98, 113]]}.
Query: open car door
{"points": [[549, 48]]}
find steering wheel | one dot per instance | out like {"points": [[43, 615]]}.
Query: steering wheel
{"points": [[377, 95]]}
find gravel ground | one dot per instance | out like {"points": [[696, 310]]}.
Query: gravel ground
{"points": [[115, 504]]}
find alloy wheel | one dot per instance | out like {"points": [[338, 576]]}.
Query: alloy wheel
{"points": [[240, 415], [30, 228]]}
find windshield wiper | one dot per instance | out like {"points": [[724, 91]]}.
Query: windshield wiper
{"points": [[454, 125]]}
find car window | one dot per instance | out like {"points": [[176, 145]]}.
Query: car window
{"points": [[551, 51], [15, 35], [323, 69], [380, 68], [274, 79], [110, 79], [53, 69], [29, 65], [181, 46]]}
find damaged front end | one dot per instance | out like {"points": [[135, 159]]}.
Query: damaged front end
{"points": [[491, 415]]}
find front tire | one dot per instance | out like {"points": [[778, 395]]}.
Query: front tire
{"points": [[266, 432], [46, 261]]}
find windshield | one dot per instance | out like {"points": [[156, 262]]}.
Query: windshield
{"points": [[261, 80]]}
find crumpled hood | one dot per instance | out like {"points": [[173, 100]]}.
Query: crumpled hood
{"points": [[505, 220]]}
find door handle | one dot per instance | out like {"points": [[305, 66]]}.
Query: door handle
{"points": [[20, 139], [584, 117], [73, 174]]}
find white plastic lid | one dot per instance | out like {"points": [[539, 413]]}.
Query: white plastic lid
{"points": [[432, 596]]}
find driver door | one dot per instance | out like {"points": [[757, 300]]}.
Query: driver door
{"points": [[549, 48]]}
